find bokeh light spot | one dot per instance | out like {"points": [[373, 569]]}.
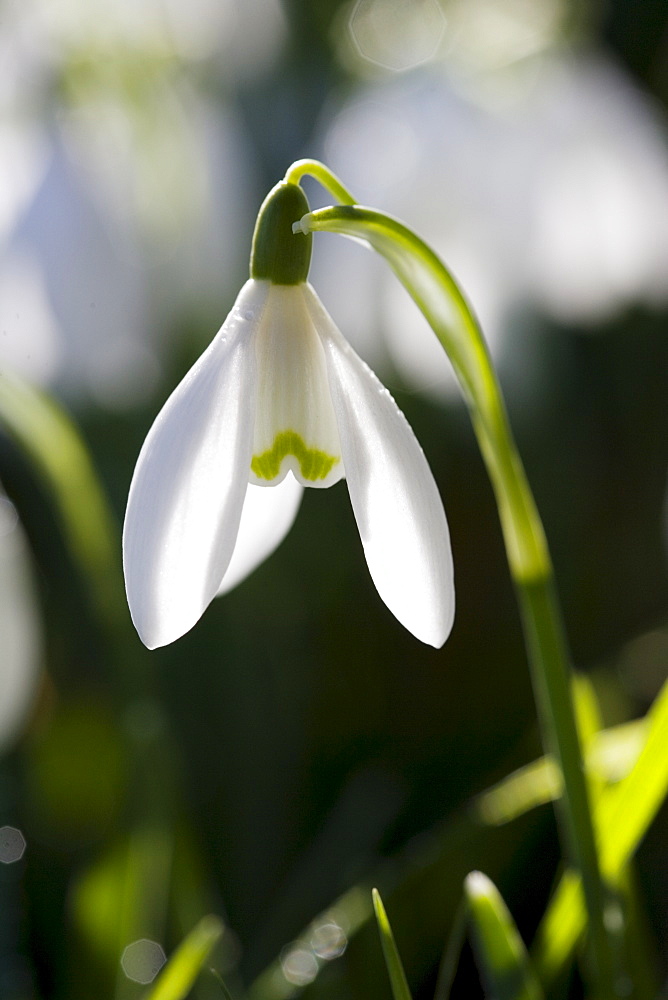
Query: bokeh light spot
{"points": [[142, 960], [12, 844], [329, 941], [299, 965], [397, 34]]}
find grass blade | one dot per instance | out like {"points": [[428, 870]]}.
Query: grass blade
{"points": [[611, 755], [54, 448], [622, 815], [503, 960], [179, 974], [450, 959], [395, 968]]}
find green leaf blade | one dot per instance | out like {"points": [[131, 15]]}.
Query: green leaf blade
{"points": [[178, 976], [56, 451], [622, 816], [502, 957], [395, 969]]}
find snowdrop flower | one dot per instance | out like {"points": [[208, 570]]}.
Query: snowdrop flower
{"points": [[279, 401]]}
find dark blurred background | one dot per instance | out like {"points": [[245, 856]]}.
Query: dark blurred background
{"points": [[298, 742]]}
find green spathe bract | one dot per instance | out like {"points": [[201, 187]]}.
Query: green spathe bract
{"points": [[277, 255]]}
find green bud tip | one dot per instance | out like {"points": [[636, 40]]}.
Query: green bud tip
{"points": [[278, 254]]}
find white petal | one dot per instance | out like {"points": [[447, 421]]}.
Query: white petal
{"points": [[269, 513], [190, 482], [396, 502], [295, 425]]}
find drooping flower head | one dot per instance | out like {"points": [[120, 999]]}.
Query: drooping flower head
{"points": [[279, 401]]}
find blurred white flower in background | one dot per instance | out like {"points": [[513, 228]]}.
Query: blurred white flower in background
{"points": [[23, 151], [78, 302], [29, 339], [538, 173], [115, 205]]}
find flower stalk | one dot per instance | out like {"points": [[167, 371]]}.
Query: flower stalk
{"points": [[442, 302]]}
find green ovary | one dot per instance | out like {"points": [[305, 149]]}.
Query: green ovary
{"points": [[314, 464]]}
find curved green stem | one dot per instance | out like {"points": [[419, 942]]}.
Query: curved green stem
{"points": [[439, 297], [314, 168], [549, 662], [441, 300]]}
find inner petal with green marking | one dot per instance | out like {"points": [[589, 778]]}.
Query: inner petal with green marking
{"points": [[295, 425], [313, 463]]}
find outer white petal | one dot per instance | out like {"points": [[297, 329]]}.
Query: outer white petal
{"points": [[396, 502], [189, 485], [269, 513]]}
